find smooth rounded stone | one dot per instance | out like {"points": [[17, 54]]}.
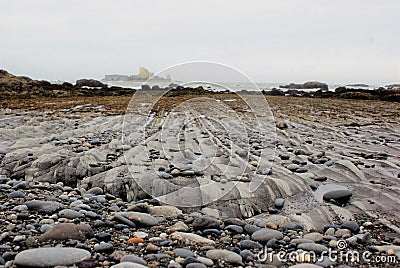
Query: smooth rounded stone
{"points": [[167, 211], [325, 262], [50, 257], [292, 226], [305, 265], [196, 265], [277, 219], [205, 261], [20, 208], [16, 194], [47, 207], [352, 226], [250, 244], [226, 255], [21, 185], [234, 229], [179, 226], [342, 232], [281, 125], [273, 243], [45, 227], [205, 222], [316, 237], [263, 235], [69, 214], [364, 238], [212, 212], [124, 221], [66, 231], [191, 238], [234, 221], [297, 241], [183, 252], [188, 260], [301, 170], [245, 254], [284, 156], [279, 202], [250, 228], [128, 265], [47, 221], [214, 232], [19, 238], [104, 247], [138, 217], [293, 167], [133, 258], [317, 248], [157, 257], [92, 215], [340, 196], [103, 236], [76, 203]]}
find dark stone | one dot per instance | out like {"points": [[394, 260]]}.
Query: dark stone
{"points": [[340, 196], [205, 222], [352, 226]]}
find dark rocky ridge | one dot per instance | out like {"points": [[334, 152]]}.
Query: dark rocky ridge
{"points": [[342, 93], [12, 86]]}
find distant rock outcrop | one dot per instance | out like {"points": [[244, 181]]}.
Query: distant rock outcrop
{"points": [[90, 83], [307, 85], [142, 76]]}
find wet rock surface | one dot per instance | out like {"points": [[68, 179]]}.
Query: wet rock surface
{"points": [[65, 185]]}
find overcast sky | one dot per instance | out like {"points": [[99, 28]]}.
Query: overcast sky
{"points": [[270, 41]]}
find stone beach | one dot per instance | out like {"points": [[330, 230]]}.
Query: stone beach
{"points": [[71, 196]]}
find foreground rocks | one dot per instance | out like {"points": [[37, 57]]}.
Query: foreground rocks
{"points": [[64, 184], [33, 237]]}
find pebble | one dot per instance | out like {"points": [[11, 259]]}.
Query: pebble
{"points": [[128, 265], [167, 211], [70, 214], [316, 237], [317, 248], [48, 207], [263, 235], [140, 218], [279, 202], [225, 255], [250, 229], [249, 244], [66, 231], [16, 194], [352, 226], [50, 257], [183, 252], [95, 191], [193, 238], [234, 228], [205, 261], [196, 265], [104, 247], [133, 258], [205, 222], [340, 196]]}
